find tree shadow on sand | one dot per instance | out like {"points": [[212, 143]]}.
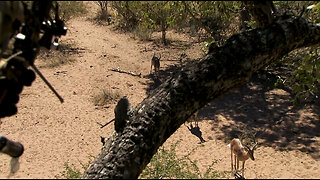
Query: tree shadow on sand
{"points": [[163, 75], [266, 110], [270, 113]]}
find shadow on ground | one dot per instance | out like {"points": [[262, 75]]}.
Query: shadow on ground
{"points": [[270, 113], [263, 109], [162, 77]]}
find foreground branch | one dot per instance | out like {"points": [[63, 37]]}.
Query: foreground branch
{"points": [[156, 118]]}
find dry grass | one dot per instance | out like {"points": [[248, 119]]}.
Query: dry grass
{"points": [[105, 97], [64, 55]]}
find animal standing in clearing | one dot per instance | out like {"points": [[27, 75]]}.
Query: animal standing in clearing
{"points": [[241, 153], [155, 62]]}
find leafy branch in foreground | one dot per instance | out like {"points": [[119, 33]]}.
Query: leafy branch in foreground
{"points": [[166, 164]]}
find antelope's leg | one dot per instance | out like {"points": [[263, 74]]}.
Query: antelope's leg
{"points": [[231, 161], [243, 168], [237, 163], [195, 118]]}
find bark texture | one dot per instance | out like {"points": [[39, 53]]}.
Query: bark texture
{"points": [[157, 117], [262, 11]]}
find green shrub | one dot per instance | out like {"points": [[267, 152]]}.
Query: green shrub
{"points": [[303, 75], [143, 33], [166, 164], [69, 173], [69, 9]]}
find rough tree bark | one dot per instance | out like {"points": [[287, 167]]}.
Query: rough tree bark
{"points": [[262, 11], [157, 117]]}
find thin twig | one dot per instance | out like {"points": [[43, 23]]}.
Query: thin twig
{"points": [[102, 126]]}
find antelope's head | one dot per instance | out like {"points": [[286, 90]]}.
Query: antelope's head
{"points": [[251, 150], [155, 57]]}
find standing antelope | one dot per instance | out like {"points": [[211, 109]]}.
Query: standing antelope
{"points": [[241, 153], [155, 62]]}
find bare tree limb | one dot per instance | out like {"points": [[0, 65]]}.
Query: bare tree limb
{"points": [[157, 117], [126, 72]]}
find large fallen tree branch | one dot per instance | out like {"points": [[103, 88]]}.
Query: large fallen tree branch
{"points": [[157, 117]]}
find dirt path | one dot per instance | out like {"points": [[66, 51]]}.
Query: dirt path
{"points": [[55, 133]]}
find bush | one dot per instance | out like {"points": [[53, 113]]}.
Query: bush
{"points": [[166, 164], [69, 173], [143, 33], [127, 14], [69, 9]]}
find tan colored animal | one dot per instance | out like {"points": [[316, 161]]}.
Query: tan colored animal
{"points": [[196, 117], [241, 153], [155, 62]]}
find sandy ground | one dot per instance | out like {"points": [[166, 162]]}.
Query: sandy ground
{"points": [[54, 134]]}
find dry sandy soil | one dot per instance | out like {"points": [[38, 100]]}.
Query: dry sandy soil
{"points": [[54, 133]]}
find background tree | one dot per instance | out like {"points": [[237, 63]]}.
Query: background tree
{"points": [[160, 15], [304, 79], [103, 13], [127, 13], [69, 9], [214, 17]]}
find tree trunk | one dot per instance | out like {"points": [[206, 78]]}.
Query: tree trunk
{"points": [[158, 116], [262, 12], [163, 33], [244, 17]]}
